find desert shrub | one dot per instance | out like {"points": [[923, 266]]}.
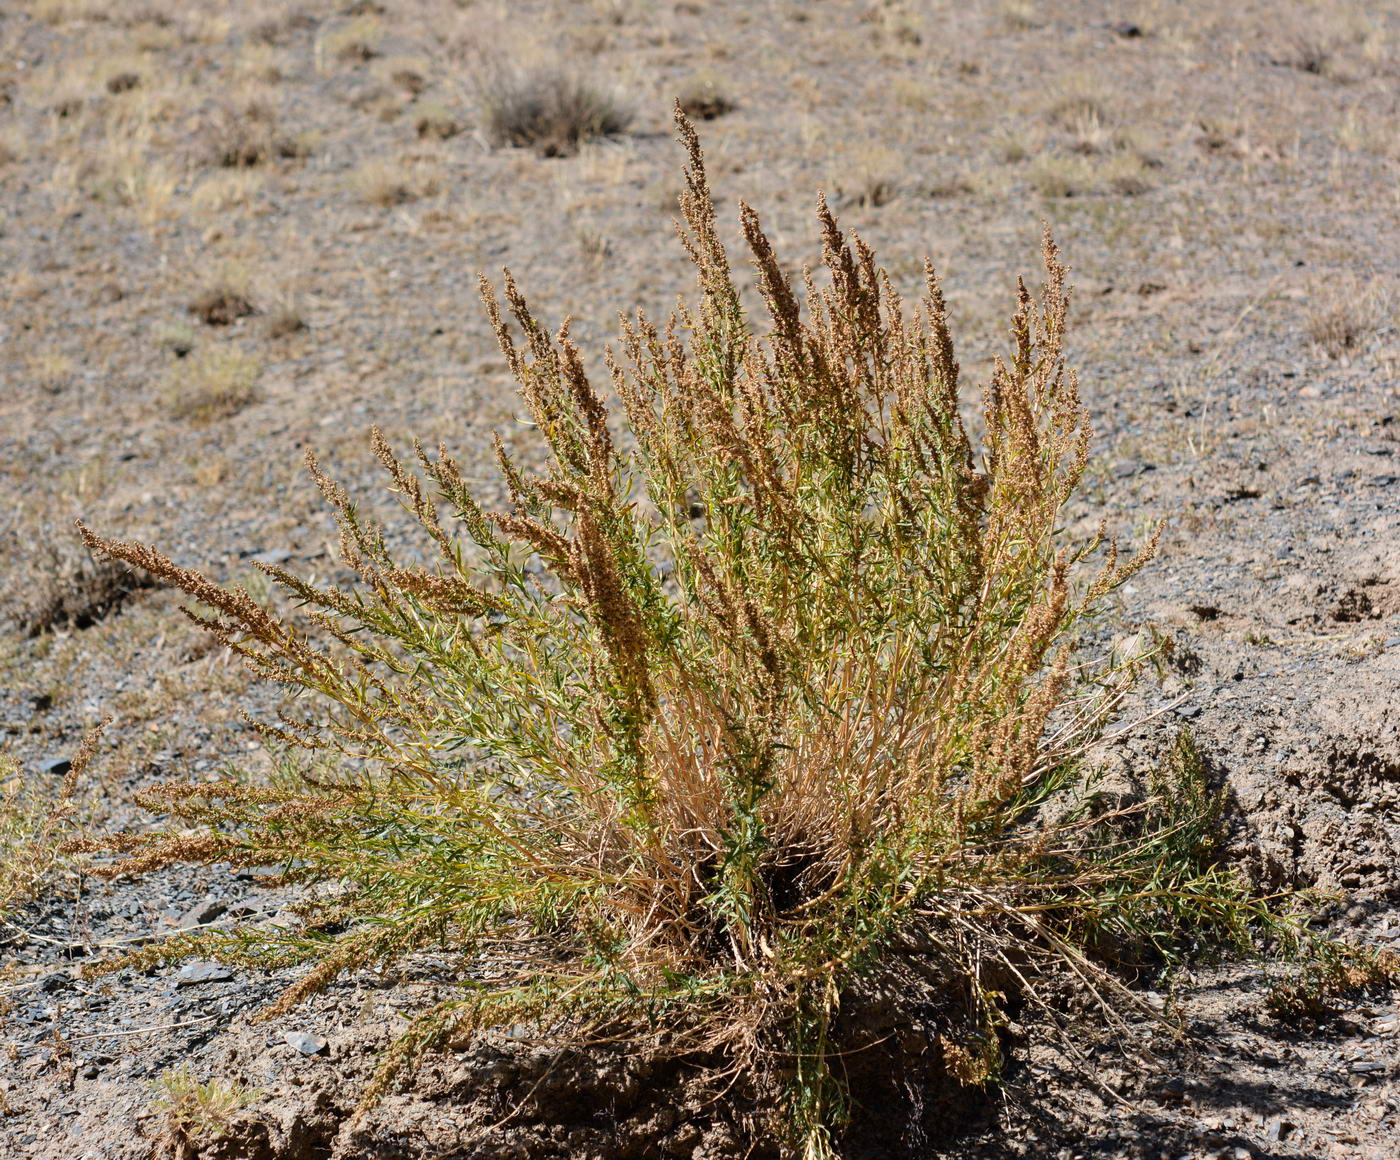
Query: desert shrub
{"points": [[548, 110], [718, 714]]}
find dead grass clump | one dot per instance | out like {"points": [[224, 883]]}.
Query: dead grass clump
{"points": [[67, 591], [386, 184], [354, 42], [548, 110], [1341, 317], [223, 301], [703, 99], [436, 122], [216, 383], [245, 134]]}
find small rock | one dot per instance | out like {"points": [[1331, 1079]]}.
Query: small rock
{"points": [[305, 1042], [201, 972], [202, 913], [59, 767], [1127, 29], [57, 981]]}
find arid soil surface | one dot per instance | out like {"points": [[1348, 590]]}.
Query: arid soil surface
{"points": [[229, 235]]}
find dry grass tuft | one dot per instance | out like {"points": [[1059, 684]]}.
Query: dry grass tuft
{"points": [[436, 122], [243, 134], [548, 110], [216, 383], [703, 99], [70, 591], [386, 184], [195, 1115], [33, 824], [1341, 316], [224, 300]]}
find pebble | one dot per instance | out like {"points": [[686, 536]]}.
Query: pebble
{"points": [[58, 767], [201, 913], [201, 972], [305, 1042]]}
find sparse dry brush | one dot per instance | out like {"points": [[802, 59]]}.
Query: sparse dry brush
{"points": [[33, 824], [774, 695], [547, 109]]}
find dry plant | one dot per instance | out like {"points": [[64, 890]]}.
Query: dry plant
{"points": [[354, 42], [1341, 316], [216, 383], [224, 298], [196, 1114], [62, 589], [715, 721], [436, 121], [386, 184], [241, 134], [870, 177], [703, 98], [548, 110], [33, 824]]}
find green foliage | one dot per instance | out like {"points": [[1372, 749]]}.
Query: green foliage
{"points": [[719, 709]]}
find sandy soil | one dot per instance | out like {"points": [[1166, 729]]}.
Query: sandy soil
{"points": [[1223, 180]]}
